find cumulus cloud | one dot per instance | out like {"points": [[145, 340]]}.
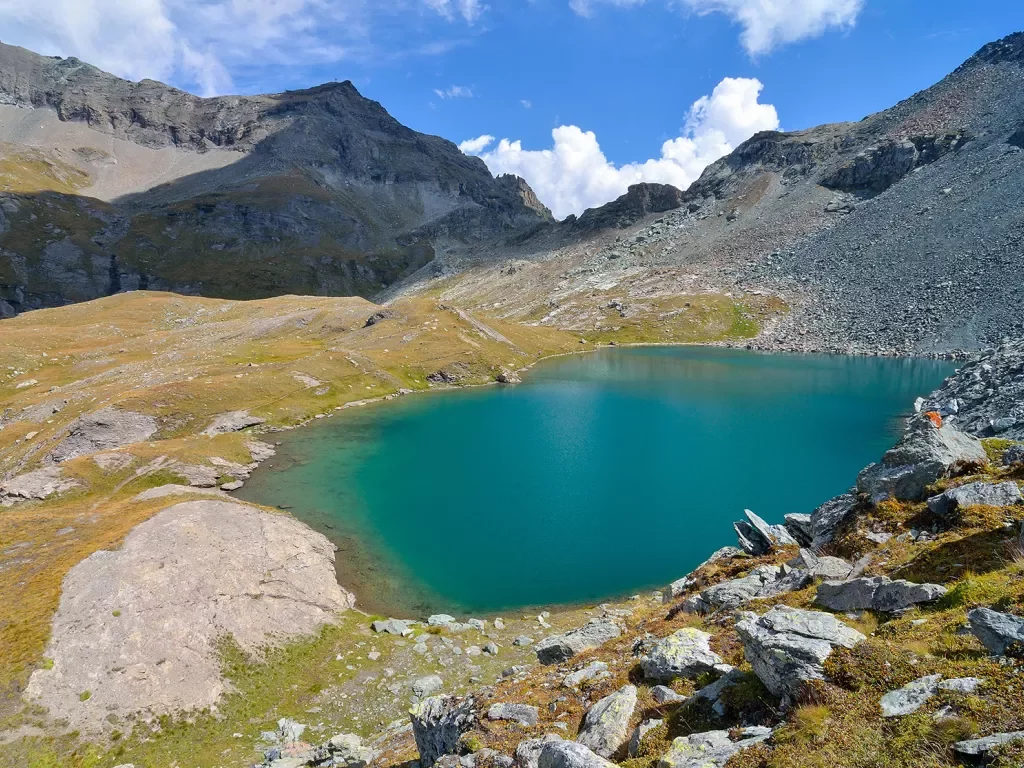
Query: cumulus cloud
{"points": [[454, 92], [766, 24], [198, 43], [575, 174]]}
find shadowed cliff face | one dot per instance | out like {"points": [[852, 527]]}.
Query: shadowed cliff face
{"points": [[317, 191]]}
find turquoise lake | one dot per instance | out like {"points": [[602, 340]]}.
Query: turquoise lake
{"points": [[601, 475]]}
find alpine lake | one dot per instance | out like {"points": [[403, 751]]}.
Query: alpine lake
{"points": [[601, 475]]}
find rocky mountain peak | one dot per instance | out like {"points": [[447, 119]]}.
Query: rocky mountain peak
{"points": [[1008, 49]]}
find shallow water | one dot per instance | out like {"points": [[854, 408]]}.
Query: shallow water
{"points": [[599, 476]]}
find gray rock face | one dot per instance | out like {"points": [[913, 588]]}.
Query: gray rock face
{"points": [[827, 518], [975, 494], [981, 747], [1013, 455], [758, 537], [662, 694], [348, 750], [558, 648], [139, 627], [427, 686], [925, 454], [787, 646], [605, 728], [711, 749], [713, 691], [996, 631], [639, 201], [569, 754], [800, 528], [519, 713], [104, 430], [437, 724], [685, 653], [763, 581], [38, 485], [679, 587], [528, 752], [876, 593], [824, 567], [235, 421], [910, 697], [594, 670]]}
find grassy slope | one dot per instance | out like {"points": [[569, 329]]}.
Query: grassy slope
{"points": [[184, 360]]}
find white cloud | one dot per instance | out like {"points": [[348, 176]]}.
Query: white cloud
{"points": [[197, 43], [454, 92], [766, 24], [575, 174], [477, 145], [527, 104]]}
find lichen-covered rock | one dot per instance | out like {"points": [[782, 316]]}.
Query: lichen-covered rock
{"points": [[528, 752], [518, 713], [910, 697], [633, 749], [975, 494], [925, 454], [876, 593], [437, 724], [594, 670], [763, 581], [711, 749], [1013, 455], [685, 653], [788, 646], [823, 567], [38, 485], [559, 648], [570, 754], [605, 728], [981, 747], [997, 631], [104, 430]]}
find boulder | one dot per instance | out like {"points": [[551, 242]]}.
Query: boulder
{"points": [[1013, 455], [827, 518], [713, 691], [437, 724], [234, 421], [910, 697], [426, 686], [348, 750], [925, 454], [758, 537], [638, 736], [38, 485], [400, 627], [876, 593], [685, 653], [799, 527], [596, 669], [979, 748], [662, 694], [104, 430], [996, 631], [712, 749], [519, 713], [559, 648], [788, 646], [973, 495], [823, 567], [763, 581], [528, 752], [569, 754], [605, 728]]}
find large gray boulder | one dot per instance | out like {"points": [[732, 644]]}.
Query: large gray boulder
{"points": [[757, 537], [559, 648], [437, 724], [973, 495], [827, 518], [712, 749], [763, 581], [925, 454], [569, 754], [996, 631], [876, 593], [979, 748], [605, 728], [104, 430], [788, 646], [799, 527], [1013, 455], [685, 653], [822, 567], [517, 713], [527, 754]]}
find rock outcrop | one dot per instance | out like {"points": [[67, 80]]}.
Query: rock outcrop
{"points": [[788, 646], [975, 494], [876, 593], [36, 485], [711, 749], [104, 430], [685, 653], [437, 725], [758, 537], [998, 632], [558, 648], [137, 628], [605, 730]]}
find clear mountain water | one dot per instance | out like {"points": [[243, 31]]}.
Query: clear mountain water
{"points": [[601, 475]]}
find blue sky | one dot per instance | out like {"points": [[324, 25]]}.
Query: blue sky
{"points": [[628, 71]]}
